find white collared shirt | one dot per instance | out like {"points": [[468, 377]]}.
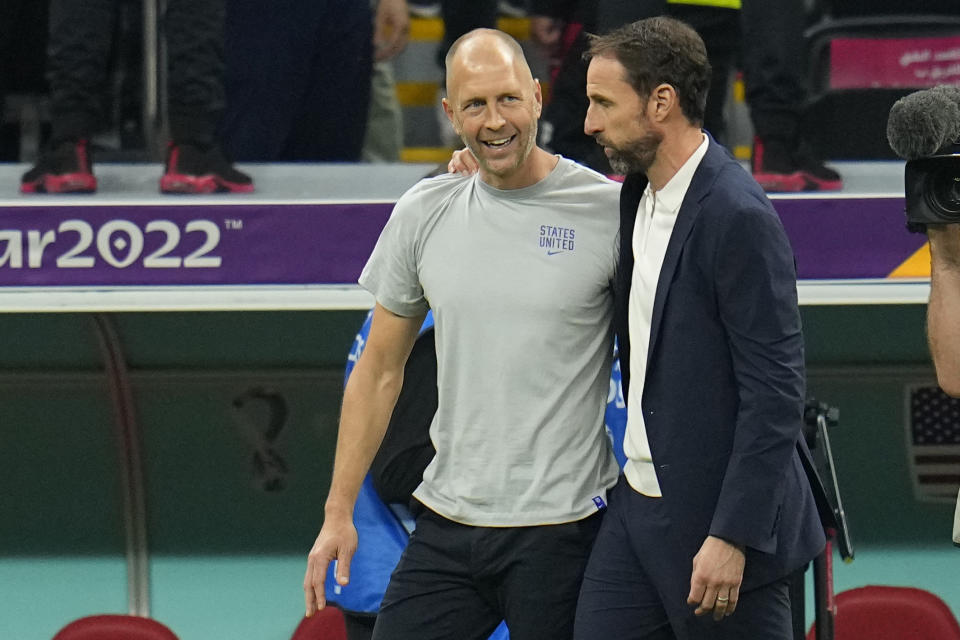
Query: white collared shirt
{"points": [[656, 216]]}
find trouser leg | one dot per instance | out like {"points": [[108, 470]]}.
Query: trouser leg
{"points": [[81, 34]]}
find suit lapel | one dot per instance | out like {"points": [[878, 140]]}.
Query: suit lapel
{"points": [[703, 178]]}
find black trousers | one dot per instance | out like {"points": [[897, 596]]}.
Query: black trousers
{"points": [[462, 16], [636, 584], [298, 79], [80, 42], [457, 582], [774, 65]]}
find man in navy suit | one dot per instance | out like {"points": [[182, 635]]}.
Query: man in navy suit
{"points": [[714, 511]]}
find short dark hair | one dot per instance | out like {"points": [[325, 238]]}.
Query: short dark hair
{"points": [[660, 50]]}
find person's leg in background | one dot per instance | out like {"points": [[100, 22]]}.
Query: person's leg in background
{"points": [[462, 16], [80, 38], [383, 141], [195, 41], [773, 51], [384, 138], [331, 119], [720, 29], [293, 80]]}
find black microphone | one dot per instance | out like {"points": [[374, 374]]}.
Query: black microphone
{"points": [[924, 122]]}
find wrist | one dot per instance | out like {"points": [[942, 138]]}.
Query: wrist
{"points": [[337, 509]]}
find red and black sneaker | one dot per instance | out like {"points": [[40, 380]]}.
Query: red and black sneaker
{"points": [[819, 176], [773, 166], [66, 167], [201, 169], [778, 166]]}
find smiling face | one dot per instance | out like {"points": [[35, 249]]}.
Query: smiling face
{"points": [[493, 103], [618, 118]]}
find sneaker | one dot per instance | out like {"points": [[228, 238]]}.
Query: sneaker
{"points": [[778, 166], [201, 169], [773, 166], [65, 167], [819, 177]]}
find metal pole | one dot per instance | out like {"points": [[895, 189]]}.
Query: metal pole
{"points": [[151, 77]]}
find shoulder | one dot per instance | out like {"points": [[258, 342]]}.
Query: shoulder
{"points": [[575, 173], [733, 195], [580, 185], [429, 194]]}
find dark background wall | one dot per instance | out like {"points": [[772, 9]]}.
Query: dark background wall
{"points": [[228, 555]]}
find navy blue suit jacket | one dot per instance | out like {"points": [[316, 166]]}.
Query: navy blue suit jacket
{"points": [[724, 392]]}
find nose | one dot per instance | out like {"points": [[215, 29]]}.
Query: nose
{"points": [[591, 124], [494, 120]]}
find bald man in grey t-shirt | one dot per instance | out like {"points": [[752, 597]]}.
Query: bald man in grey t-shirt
{"points": [[517, 264]]}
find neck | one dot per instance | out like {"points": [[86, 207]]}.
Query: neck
{"points": [[674, 151], [535, 168]]}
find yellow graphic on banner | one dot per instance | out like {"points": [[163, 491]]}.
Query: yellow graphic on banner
{"points": [[720, 4], [916, 266]]}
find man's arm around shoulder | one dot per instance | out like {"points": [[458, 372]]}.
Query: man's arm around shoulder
{"points": [[368, 402]]}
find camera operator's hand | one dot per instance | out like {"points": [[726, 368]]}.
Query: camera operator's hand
{"points": [[943, 312]]}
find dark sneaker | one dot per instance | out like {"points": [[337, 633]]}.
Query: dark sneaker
{"points": [[818, 176], [196, 169], [65, 167], [773, 166]]}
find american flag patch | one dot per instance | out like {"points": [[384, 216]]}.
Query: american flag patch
{"points": [[933, 443]]}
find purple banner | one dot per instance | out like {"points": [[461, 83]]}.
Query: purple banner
{"points": [[848, 237], [257, 244], [187, 245]]}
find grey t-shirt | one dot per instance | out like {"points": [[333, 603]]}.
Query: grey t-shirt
{"points": [[520, 286]]}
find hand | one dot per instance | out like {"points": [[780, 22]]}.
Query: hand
{"points": [[337, 541], [391, 29], [717, 574], [545, 32], [463, 162]]}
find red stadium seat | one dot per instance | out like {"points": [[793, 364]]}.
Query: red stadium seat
{"points": [[327, 624], [115, 627], [892, 613]]}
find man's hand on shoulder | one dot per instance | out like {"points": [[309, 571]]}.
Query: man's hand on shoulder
{"points": [[463, 162], [716, 579]]}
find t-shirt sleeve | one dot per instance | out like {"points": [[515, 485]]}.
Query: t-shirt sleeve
{"points": [[391, 273]]}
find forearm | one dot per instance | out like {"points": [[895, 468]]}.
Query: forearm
{"points": [[943, 312], [368, 402]]}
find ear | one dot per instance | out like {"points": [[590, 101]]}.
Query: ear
{"points": [[538, 96], [663, 102], [447, 109]]}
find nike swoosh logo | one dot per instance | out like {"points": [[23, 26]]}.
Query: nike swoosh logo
{"points": [[553, 253]]}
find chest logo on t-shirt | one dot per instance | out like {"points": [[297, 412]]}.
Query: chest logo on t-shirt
{"points": [[557, 239]]}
